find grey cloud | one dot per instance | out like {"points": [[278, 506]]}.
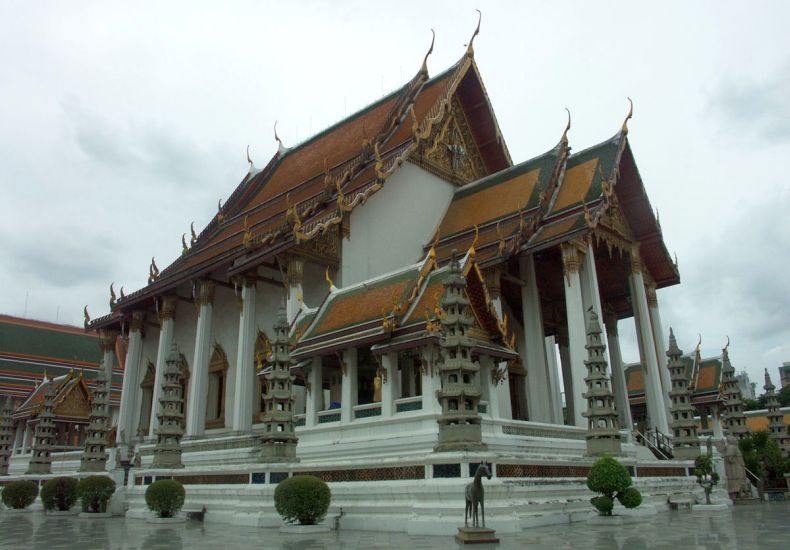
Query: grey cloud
{"points": [[758, 108]]}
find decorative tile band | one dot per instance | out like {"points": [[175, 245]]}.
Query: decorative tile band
{"points": [[369, 474], [542, 432], [540, 470], [367, 413], [660, 471], [329, 418], [413, 406]]}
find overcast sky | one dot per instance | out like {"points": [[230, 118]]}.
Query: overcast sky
{"points": [[120, 124]]}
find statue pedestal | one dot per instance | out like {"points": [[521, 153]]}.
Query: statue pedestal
{"points": [[476, 535]]}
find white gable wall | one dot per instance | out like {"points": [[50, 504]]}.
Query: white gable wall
{"points": [[388, 232]]}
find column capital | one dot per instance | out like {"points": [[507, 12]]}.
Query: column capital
{"points": [[205, 292], [138, 321], [294, 270], [610, 322], [652, 298], [571, 256], [636, 260], [107, 339], [167, 309]]}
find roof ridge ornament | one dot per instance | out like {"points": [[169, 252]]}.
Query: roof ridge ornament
{"points": [[220, 213], [424, 68], [332, 286], [628, 117], [470, 51], [184, 247], [87, 321], [280, 147], [193, 239], [564, 139], [112, 294], [123, 296]]}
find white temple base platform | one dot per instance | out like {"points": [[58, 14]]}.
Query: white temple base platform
{"points": [[707, 508]]}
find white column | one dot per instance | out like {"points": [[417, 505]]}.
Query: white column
{"points": [[554, 380], [244, 389], [574, 307], [315, 397], [660, 347], [167, 315], [567, 382], [131, 387], [618, 375], [348, 391], [715, 420], [505, 408], [390, 385], [487, 386], [294, 274], [107, 344], [430, 381], [19, 433], [26, 438], [655, 402], [534, 354], [198, 379]]}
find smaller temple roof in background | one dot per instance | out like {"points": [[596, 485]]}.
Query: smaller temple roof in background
{"points": [[705, 378], [29, 348], [64, 386]]}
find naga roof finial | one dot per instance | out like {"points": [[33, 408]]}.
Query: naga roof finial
{"points": [[280, 147], [567, 127], [87, 321], [112, 294], [220, 213], [424, 68], [194, 235], [470, 51], [184, 247], [249, 160], [699, 343], [123, 296], [628, 117], [332, 286], [726, 348]]}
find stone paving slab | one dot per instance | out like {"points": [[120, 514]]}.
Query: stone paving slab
{"points": [[765, 526]]}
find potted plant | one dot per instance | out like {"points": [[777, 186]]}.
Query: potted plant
{"points": [[303, 500], [59, 494], [165, 498], [95, 492], [612, 480], [706, 476], [18, 495]]}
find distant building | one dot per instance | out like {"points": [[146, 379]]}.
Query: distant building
{"points": [[784, 374], [746, 386]]}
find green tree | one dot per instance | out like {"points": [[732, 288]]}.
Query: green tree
{"points": [[762, 455]]}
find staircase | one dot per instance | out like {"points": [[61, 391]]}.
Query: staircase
{"points": [[658, 443]]}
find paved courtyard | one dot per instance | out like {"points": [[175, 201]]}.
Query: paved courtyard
{"points": [[765, 526]]}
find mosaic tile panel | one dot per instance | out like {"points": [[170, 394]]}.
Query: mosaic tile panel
{"points": [[258, 477], [413, 406], [277, 477], [367, 413], [660, 471], [540, 470], [446, 470], [329, 418], [370, 474]]}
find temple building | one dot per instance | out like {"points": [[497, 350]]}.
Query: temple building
{"points": [[430, 286]]}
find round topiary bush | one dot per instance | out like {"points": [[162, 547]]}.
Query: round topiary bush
{"points": [[20, 494], [165, 497], [59, 493], [630, 498], [612, 480], [95, 493], [302, 499]]}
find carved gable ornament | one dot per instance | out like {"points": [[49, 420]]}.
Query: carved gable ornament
{"points": [[613, 229], [452, 153], [75, 404]]}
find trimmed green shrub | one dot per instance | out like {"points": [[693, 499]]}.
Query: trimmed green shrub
{"points": [[612, 480], [302, 499], [95, 492], [20, 494], [165, 497], [603, 504], [630, 498], [59, 493], [707, 477]]}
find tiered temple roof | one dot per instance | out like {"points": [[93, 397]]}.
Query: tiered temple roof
{"points": [[29, 349], [71, 398]]}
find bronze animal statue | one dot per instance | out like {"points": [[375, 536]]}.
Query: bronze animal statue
{"points": [[475, 496]]}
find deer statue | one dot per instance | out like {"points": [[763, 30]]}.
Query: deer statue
{"points": [[475, 495]]}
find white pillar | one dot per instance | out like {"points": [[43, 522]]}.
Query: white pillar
{"points": [[430, 381], [715, 419], [567, 382], [574, 307], [19, 433], [618, 375], [198, 379], [315, 397], [131, 387], [390, 385], [554, 380], [167, 315], [244, 389], [348, 391], [107, 345], [505, 407], [534, 354], [26, 438], [655, 402], [294, 275], [660, 346], [488, 388]]}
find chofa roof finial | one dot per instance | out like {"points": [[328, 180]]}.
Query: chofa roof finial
{"points": [[424, 68], [628, 116], [567, 127], [280, 147], [470, 51]]}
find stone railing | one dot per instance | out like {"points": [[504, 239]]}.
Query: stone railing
{"points": [[367, 410], [540, 429], [406, 404], [329, 415]]}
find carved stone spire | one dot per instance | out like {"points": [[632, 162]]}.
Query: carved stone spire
{"points": [[94, 456], [279, 439], [459, 424], [733, 417], [167, 453], [44, 434], [603, 426], [6, 435], [776, 425], [684, 427]]}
